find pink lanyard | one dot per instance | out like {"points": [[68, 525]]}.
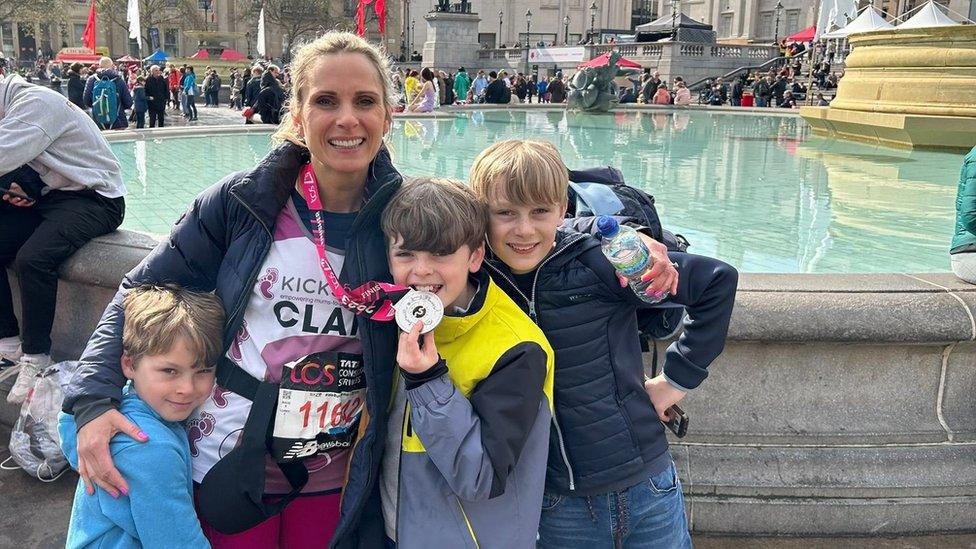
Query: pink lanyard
{"points": [[372, 299]]}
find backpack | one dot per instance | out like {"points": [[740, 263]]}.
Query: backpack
{"points": [[588, 197], [105, 103]]}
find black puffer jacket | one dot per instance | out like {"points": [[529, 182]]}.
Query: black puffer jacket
{"points": [[76, 89], [270, 100], [219, 245], [607, 435]]}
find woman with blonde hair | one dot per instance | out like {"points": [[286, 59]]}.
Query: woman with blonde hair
{"points": [[293, 248]]}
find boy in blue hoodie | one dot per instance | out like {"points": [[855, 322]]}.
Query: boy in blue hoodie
{"points": [[171, 339], [610, 480]]}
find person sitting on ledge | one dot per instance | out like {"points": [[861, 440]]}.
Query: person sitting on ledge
{"points": [[61, 187], [963, 248]]}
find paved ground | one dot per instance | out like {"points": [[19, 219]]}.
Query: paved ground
{"points": [[35, 514], [206, 116]]}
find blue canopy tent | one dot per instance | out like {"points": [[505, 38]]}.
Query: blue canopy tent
{"points": [[157, 56]]}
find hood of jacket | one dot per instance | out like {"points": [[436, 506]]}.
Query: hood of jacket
{"points": [[69, 438], [10, 86], [268, 79], [111, 74]]}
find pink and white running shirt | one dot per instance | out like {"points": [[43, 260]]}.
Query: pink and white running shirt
{"points": [[291, 314]]}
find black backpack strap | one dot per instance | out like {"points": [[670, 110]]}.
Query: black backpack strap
{"points": [[231, 495], [232, 377]]}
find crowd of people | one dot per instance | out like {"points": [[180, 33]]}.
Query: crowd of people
{"points": [[132, 92], [427, 89], [781, 88]]}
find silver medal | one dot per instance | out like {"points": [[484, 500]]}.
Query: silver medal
{"points": [[416, 305]]}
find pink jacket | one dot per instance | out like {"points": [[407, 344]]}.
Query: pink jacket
{"points": [[682, 97]]}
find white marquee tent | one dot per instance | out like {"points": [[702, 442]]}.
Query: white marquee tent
{"points": [[869, 20], [834, 14], [928, 16]]}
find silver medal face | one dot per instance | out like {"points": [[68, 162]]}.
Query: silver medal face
{"points": [[423, 306]]}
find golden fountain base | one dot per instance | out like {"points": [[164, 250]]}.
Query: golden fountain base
{"points": [[911, 88]]}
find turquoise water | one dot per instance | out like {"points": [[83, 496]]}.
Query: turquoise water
{"points": [[756, 191]]}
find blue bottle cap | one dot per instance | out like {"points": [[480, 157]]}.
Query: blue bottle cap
{"points": [[608, 226]]}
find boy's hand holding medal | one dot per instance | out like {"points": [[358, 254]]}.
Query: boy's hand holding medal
{"points": [[416, 352]]}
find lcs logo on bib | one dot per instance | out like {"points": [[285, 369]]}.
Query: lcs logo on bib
{"points": [[312, 374]]}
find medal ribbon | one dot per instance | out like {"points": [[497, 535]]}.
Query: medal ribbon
{"points": [[373, 299]]}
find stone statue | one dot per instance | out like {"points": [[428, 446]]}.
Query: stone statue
{"points": [[592, 89]]}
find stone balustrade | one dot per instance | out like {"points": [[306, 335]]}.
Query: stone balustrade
{"points": [[692, 61]]}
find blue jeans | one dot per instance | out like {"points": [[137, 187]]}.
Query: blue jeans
{"points": [[650, 514]]}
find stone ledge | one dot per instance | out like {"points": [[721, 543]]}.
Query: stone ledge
{"points": [[827, 472], [838, 517], [769, 307]]}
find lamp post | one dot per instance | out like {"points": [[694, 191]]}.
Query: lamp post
{"points": [[501, 17], [675, 4], [404, 37], [528, 29], [413, 44], [593, 9], [779, 13], [247, 36], [566, 30]]}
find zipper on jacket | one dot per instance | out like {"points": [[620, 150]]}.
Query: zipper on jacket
{"points": [[467, 523], [352, 454], [532, 315], [403, 426]]}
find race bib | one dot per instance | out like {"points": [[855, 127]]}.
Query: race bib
{"points": [[320, 401]]}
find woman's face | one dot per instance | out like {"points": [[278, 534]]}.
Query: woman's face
{"points": [[343, 117]]}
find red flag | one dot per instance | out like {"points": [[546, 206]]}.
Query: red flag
{"points": [[361, 17], [380, 8], [88, 37]]}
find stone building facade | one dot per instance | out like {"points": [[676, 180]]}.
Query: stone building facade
{"points": [[553, 21], [756, 20]]}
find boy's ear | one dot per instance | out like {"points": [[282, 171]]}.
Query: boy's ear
{"points": [[477, 257], [565, 208], [128, 366]]}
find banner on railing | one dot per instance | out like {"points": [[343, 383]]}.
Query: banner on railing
{"points": [[557, 55]]}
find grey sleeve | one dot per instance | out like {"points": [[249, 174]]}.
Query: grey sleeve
{"points": [[475, 443], [447, 425]]}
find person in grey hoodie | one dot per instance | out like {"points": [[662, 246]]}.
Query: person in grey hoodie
{"points": [[53, 153], [106, 70]]}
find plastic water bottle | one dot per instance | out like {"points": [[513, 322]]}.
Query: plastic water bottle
{"points": [[628, 255]]}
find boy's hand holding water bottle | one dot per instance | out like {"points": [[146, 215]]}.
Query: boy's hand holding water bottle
{"points": [[640, 261]]}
